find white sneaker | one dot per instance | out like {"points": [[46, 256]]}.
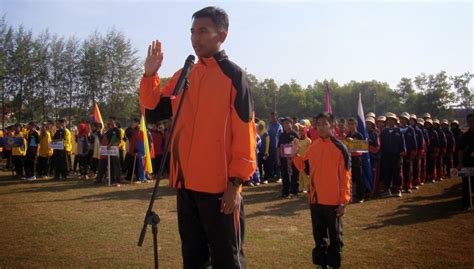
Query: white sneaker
{"points": [[23, 178], [31, 178]]}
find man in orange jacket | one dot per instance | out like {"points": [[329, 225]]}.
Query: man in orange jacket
{"points": [[213, 147], [328, 163]]}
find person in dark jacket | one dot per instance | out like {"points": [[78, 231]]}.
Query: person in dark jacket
{"points": [[432, 151], [392, 146], [450, 146], [411, 145], [457, 136], [420, 152], [443, 146]]}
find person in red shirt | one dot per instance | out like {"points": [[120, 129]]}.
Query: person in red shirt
{"points": [[328, 163]]}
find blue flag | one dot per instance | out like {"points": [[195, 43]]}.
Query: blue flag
{"points": [[361, 128]]}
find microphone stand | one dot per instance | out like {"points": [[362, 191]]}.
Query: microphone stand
{"points": [[152, 218]]}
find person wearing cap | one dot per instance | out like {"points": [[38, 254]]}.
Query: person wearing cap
{"points": [[450, 146], [304, 142], [432, 151], [426, 138], [466, 159], [392, 146], [417, 161], [457, 135], [370, 115], [426, 116], [443, 146], [374, 151], [31, 151], [289, 173], [411, 151], [380, 124]]}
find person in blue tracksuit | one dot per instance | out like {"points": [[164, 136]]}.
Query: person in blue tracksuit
{"points": [[274, 131], [409, 136], [392, 147]]}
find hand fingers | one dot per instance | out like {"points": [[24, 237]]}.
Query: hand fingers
{"points": [[222, 204], [157, 47], [149, 51]]}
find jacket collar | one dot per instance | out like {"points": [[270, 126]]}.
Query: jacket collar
{"points": [[221, 55]]}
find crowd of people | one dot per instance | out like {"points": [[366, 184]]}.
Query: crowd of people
{"points": [[51, 149], [405, 152]]}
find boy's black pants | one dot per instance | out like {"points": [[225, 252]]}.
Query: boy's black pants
{"points": [[60, 164], [30, 161], [390, 170], [209, 237], [327, 233]]}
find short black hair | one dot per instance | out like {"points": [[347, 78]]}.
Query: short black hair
{"points": [[136, 120], [325, 115], [341, 120], [218, 16], [61, 121], [352, 120], [470, 115]]}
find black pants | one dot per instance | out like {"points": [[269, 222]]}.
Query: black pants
{"points": [[43, 166], [290, 182], [407, 169], [83, 160], [390, 170], [60, 164], [357, 179], [262, 165], [18, 162], [128, 162], [430, 165], [207, 235], [156, 162], [7, 155], [30, 161], [327, 233], [114, 169]]}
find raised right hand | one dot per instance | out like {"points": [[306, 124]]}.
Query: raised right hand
{"points": [[154, 58]]}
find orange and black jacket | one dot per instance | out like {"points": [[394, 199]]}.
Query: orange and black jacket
{"points": [[328, 163], [215, 135]]}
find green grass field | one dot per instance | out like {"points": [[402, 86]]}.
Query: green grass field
{"points": [[79, 224]]}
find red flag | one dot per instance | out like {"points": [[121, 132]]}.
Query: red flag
{"points": [[328, 101]]}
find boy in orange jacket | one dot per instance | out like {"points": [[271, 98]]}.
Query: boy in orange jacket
{"points": [[328, 163]]}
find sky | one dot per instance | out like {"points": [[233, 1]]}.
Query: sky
{"points": [[283, 40]]}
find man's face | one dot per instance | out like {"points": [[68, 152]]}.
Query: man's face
{"points": [[380, 124], [135, 124], [352, 126], [274, 117], [412, 122], [324, 127], [403, 122], [206, 38], [341, 126], [391, 122], [110, 124], [370, 126], [287, 126]]}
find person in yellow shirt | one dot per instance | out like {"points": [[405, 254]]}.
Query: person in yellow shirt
{"points": [[121, 145], [45, 152], [305, 141], [19, 152]]}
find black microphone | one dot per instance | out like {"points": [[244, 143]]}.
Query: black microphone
{"points": [[183, 77]]}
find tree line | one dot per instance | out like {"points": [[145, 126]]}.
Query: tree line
{"points": [[46, 76]]}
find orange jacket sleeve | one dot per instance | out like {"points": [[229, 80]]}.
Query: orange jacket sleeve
{"points": [[242, 123], [344, 175], [150, 92]]}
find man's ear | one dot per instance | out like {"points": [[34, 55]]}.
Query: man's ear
{"points": [[222, 36]]}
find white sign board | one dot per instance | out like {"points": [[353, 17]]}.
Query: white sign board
{"points": [[59, 145], [464, 172], [109, 151]]}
